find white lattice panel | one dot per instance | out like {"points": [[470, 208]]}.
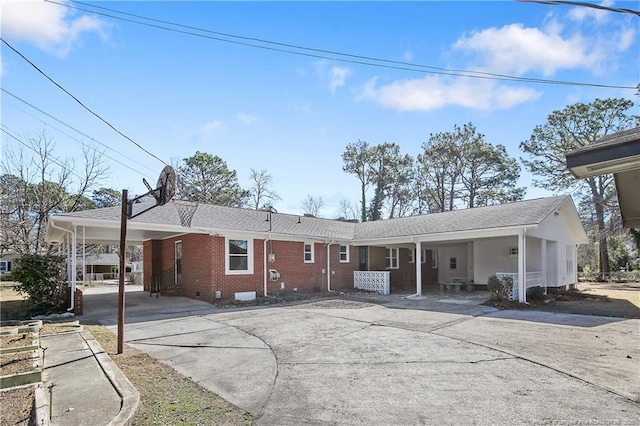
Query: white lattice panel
{"points": [[376, 281], [513, 293]]}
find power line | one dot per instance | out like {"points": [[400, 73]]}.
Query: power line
{"points": [[357, 59], [74, 129], [79, 102], [77, 140], [583, 4]]}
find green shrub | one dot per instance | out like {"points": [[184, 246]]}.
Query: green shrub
{"points": [[41, 279], [499, 288], [535, 294]]}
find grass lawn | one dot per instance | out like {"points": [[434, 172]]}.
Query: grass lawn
{"points": [[166, 397]]}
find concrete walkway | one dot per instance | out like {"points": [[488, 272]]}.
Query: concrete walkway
{"points": [[439, 360], [88, 389]]}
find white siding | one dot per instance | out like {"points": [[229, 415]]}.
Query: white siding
{"points": [[445, 253], [552, 264], [491, 255], [534, 260]]}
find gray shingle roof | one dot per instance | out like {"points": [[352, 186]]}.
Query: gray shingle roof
{"points": [[522, 213], [613, 139], [219, 218]]}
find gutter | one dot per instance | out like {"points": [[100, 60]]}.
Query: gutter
{"points": [[73, 280]]}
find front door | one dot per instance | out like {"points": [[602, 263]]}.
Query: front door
{"points": [[178, 263], [363, 263]]}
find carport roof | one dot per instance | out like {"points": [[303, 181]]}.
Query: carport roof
{"points": [[163, 222]]}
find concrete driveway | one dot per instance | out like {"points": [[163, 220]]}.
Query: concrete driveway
{"points": [[431, 361]]}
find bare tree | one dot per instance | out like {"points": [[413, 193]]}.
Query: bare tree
{"points": [[260, 192], [312, 205], [348, 210], [36, 184]]}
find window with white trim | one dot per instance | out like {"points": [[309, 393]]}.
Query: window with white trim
{"points": [[391, 257], [238, 256], [344, 254], [4, 266], [308, 252], [434, 259], [423, 259]]}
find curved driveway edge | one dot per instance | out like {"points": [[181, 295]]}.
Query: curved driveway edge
{"points": [[128, 393]]}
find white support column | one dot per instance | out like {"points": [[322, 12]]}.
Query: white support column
{"points": [[74, 264], [418, 261], [543, 259], [522, 267], [470, 261]]}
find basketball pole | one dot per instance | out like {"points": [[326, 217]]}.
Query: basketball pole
{"points": [[123, 241]]}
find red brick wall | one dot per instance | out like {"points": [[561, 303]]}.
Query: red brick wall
{"points": [[196, 273], [228, 285], [203, 267], [78, 306], [404, 278]]}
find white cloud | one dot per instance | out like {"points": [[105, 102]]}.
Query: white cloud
{"points": [[517, 50], [206, 131], [408, 56], [626, 38], [247, 119], [338, 77], [51, 27], [335, 76], [434, 92], [580, 14]]}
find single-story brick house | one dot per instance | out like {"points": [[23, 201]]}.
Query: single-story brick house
{"points": [[228, 251]]}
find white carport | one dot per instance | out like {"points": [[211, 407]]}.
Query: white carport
{"points": [[75, 230]]}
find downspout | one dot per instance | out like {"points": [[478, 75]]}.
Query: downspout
{"points": [[53, 225], [266, 272], [329, 267]]}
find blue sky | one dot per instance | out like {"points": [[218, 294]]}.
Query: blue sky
{"points": [[176, 94]]}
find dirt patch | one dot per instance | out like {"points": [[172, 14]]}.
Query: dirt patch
{"points": [[17, 340], [59, 327], [166, 397], [620, 300], [17, 406], [17, 362], [13, 305]]}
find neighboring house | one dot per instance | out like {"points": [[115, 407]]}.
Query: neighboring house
{"points": [[6, 263], [98, 267], [229, 250], [618, 153]]}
